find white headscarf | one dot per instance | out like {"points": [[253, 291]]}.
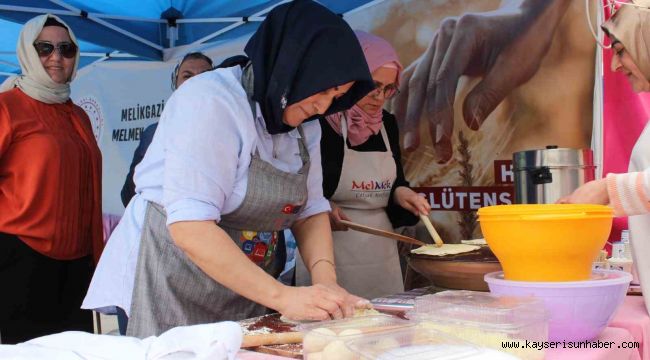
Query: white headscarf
{"points": [[34, 80]]}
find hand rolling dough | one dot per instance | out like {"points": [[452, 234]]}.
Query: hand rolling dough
{"points": [[357, 313]]}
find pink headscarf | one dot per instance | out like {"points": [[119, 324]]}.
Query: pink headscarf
{"points": [[379, 53]]}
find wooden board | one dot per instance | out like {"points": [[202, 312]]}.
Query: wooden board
{"points": [[379, 232], [293, 351], [272, 324]]}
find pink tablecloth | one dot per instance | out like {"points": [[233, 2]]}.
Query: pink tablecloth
{"points": [[616, 335], [630, 324], [249, 355], [633, 317]]}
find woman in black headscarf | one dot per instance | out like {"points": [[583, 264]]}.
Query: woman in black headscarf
{"points": [[215, 193]]}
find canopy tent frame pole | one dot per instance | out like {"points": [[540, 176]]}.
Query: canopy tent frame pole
{"points": [[235, 25], [37, 10], [109, 25], [9, 63], [256, 17], [98, 18], [126, 18], [362, 7], [217, 33], [114, 54], [172, 35], [219, 20]]}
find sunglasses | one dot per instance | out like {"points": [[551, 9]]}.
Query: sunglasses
{"points": [[388, 91], [45, 49]]}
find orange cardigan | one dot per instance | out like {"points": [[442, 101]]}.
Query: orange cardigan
{"points": [[50, 177]]}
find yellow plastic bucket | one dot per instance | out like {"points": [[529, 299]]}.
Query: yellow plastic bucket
{"points": [[546, 242]]}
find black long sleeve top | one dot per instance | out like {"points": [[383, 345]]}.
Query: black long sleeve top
{"points": [[332, 160], [128, 189]]}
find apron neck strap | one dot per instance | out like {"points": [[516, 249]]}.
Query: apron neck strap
{"points": [[304, 153], [384, 136], [344, 127], [247, 82]]}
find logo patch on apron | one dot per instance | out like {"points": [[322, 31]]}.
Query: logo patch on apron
{"points": [[291, 209], [259, 246]]}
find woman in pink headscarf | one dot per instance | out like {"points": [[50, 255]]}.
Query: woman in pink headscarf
{"points": [[364, 182]]}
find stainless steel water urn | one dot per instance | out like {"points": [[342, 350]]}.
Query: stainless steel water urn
{"points": [[543, 176]]}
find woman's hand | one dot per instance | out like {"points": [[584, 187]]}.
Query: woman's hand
{"points": [[318, 302], [336, 215], [593, 192], [350, 302], [411, 201], [504, 47]]}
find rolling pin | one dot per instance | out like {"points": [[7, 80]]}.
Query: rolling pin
{"points": [[432, 230], [255, 340], [294, 337]]}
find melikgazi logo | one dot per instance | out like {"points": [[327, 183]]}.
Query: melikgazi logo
{"points": [[371, 185]]}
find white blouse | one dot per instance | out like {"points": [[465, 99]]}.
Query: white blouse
{"points": [[197, 168]]}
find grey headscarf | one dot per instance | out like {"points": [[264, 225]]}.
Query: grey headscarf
{"points": [[34, 80]]}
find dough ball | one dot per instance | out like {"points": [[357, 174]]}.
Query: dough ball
{"points": [[317, 339], [350, 332], [314, 356], [336, 350], [365, 312]]}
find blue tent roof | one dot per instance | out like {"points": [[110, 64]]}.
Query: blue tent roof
{"points": [[140, 29]]}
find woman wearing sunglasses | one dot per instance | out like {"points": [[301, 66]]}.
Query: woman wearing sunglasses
{"points": [[50, 190], [364, 181], [629, 194]]}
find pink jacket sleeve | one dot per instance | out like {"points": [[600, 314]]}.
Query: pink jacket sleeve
{"points": [[629, 194]]}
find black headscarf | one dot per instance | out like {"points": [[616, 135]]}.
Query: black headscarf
{"points": [[299, 50]]}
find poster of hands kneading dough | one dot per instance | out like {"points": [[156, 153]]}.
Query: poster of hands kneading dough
{"points": [[483, 79]]}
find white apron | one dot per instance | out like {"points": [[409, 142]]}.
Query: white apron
{"points": [[366, 265], [640, 224]]}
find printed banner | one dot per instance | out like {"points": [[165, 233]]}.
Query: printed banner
{"points": [[484, 79], [122, 98]]}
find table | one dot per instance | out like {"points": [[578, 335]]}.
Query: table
{"points": [[633, 317], [617, 335], [630, 323], [250, 355]]}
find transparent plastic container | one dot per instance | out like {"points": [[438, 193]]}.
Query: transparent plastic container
{"points": [[327, 340], [413, 343], [486, 320]]}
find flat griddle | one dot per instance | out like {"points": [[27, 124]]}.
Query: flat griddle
{"points": [[458, 271]]}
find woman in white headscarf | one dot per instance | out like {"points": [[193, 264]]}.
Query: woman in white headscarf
{"points": [[629, 194], [50, 190]]}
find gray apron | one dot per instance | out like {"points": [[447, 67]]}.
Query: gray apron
{"points": [[366, 265], [170, 290]]}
